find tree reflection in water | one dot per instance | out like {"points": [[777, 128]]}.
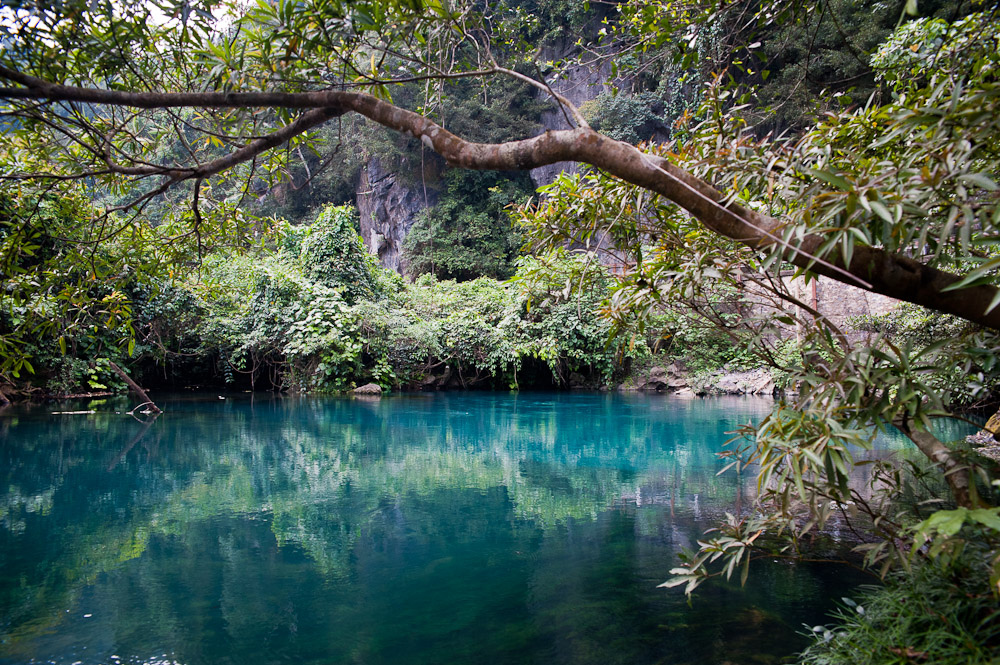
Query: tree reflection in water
{"points": [[411, 529]]}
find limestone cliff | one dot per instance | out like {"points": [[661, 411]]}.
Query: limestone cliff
{"points": [[388, 205], [577, 83]]}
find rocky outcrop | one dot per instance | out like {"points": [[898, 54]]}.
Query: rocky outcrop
{"points": [[838, 302], [368, 389], [671, 378], [388, 207], [987, 440], [675, 378], [753, 382]]}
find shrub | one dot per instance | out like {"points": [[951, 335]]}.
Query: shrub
{"points": [[333, 254], [943, 613]]}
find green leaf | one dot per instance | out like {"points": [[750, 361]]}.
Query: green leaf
{"points": [[879, 209], [945, 522], [993, 303], [831, 178], [980, 180], [976, 276], [988, 517]]}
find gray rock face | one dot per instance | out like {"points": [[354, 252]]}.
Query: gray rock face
{"points": [[578, 84], [753, 382], [368, 389], [675, 379], [388, 208], [671, 378]]}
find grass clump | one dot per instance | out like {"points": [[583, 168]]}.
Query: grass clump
{"points": [[942, 612]]}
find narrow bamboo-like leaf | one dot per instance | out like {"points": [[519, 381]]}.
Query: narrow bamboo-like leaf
{"points": [[980, 180], [879, 209], [831, 178], [974, 276], [994, 302]]}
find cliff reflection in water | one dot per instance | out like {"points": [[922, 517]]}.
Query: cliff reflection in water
{"points": [[411, 529]]}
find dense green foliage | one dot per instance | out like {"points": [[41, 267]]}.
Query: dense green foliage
{"points": [[916, 174], [332, 254], [308, 310], [909, 176], [942, 612], [67, 306], [468, 234], [822, 62], [629, 118], [315, 312], [920, 328]]}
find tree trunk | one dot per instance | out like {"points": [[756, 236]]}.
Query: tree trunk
{"points": [[955, 472], [136, 388]]}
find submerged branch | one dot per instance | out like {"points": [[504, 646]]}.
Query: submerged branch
{"points": [[136, 388]]}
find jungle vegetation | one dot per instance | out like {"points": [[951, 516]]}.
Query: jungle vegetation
{"points": [[857, 141]]}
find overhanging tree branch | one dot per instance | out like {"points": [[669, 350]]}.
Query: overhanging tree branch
{"points": [[879, 271]]}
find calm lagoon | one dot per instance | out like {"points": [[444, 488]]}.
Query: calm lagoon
{"points": [[430, 528]]}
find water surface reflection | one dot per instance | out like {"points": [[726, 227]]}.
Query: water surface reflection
{"points": [[445, 528]]}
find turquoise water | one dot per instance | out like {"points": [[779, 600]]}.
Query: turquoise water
{"points": [[445, 528]]}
